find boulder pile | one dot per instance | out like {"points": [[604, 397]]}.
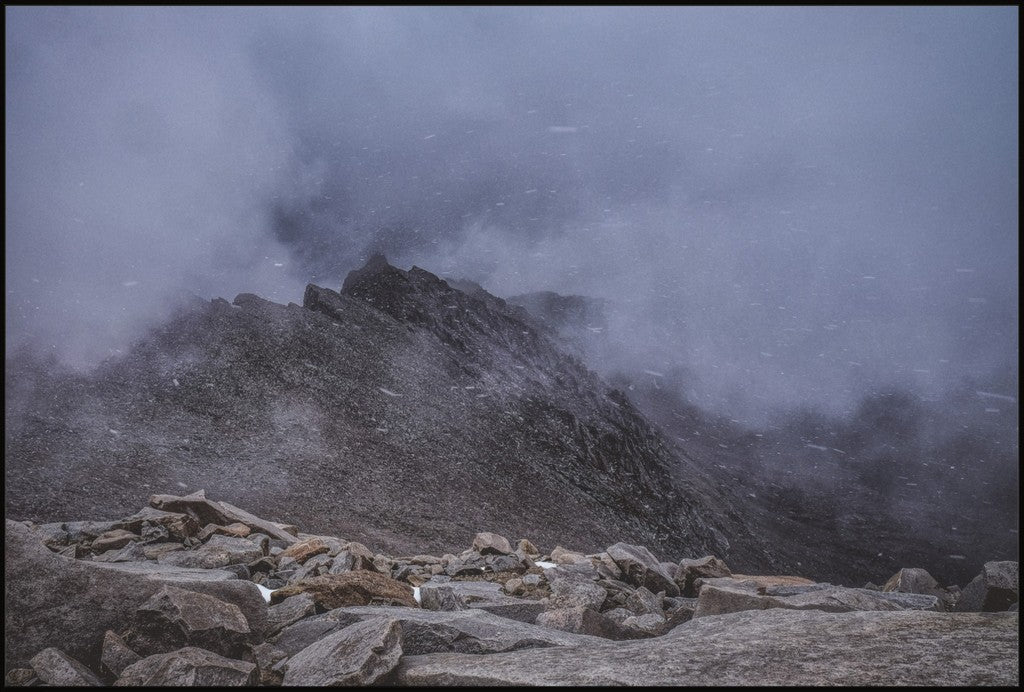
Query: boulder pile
{"points": [[192, 591]]}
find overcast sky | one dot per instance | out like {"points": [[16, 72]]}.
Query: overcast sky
{"points": [[795, 205]]}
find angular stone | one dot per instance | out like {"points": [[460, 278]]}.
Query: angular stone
{"points": [[996, 589], [288, 611], [56, 601], [440, 597], [218, 551], [424, 631], [20, 677], [112, 540], [222, 513], [521, 611], [561, 556], [504, 563], [917, 580], [188, 667], [132, 552], [237, 530], [691, 570], [313, 567], [759, 648], [350, 589], [54, 667], [527, 548], [359, 654], [271, 662], [716, 600], [116, 655], [571, 590], [487, 543], [580, 620], [174, 618], [643, 602], [641, 568], [305, 549], [178, 524]]}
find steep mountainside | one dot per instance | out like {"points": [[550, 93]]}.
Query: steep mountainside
{"points": [[400, 412]]}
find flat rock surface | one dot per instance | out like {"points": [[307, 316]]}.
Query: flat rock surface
{"points": [[769, 647], [465, 631]]}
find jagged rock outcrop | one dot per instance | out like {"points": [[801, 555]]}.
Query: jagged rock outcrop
{"points": [[398, 391]]}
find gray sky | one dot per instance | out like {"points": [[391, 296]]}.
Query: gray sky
{"points": [[796, 205]]}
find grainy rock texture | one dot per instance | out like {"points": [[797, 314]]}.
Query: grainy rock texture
{"points": [[770, 647]]}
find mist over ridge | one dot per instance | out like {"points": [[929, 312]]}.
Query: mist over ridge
{"points": [[795, 207]]}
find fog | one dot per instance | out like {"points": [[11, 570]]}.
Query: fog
{"points": [[795, 206]]}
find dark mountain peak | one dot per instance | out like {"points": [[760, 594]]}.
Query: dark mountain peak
{"points": [[375, 270]]}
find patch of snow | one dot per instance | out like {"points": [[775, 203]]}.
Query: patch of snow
{"points": [[265, 592], [415, 594], [545, 565], [824, 449], [388, 392]]}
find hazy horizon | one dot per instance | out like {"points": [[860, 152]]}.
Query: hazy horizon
{"points": [[798, 206]]}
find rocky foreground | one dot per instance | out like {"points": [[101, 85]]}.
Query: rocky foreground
{"points": [[191, 591]]}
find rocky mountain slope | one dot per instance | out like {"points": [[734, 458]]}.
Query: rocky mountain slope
{"points": [[192, 591], [400, 412]]}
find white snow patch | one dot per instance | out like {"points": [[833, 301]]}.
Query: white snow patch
{"points": [[824, 449], [545, 565], [430, 136], [265, 592], [388, 392], [176, 383], [415, 594]]}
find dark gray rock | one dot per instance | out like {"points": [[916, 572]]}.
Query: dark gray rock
{"points": [[222, 513], [580, 620], [131, 552], [523, 611], [424, 631], [487, 543], [359, 654], [917, 580], [716, 600], [641, 568], [114, 539], [54, 667], [643, 602], [288, 611], [349, 589], [188, 667], [177, 524], [440, 597], [271, 663], [571, 590], [116, 655], [994, 590], [218, 551], [56, 601], [773, 647], [173, 618], [20, 677], [689, 571]]}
